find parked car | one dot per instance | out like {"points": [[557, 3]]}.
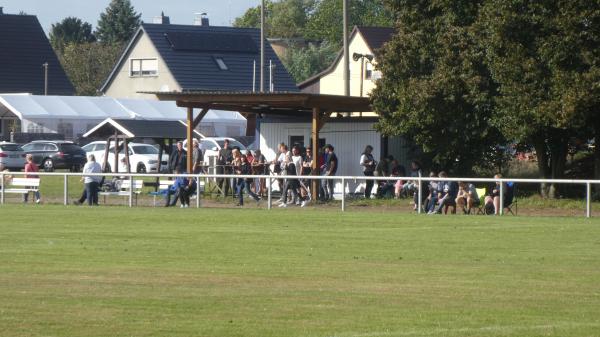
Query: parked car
{"points": [[12, 156], [143, 157], [51, 154]]}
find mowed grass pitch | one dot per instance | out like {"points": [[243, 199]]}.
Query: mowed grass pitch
{"points": [[112, 271]]}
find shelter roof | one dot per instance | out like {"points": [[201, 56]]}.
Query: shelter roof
{"points": [[135, 128]]}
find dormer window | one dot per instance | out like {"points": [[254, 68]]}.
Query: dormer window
{"points": [[221, 63], [143, 67]]}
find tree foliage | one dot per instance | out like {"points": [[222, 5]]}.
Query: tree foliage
{"points": [[88, 64], [545, 57], [303, 62], [435, 88], [70, 30], [118, 23]]}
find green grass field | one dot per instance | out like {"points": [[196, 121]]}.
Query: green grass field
{"points": [[114, 271]]}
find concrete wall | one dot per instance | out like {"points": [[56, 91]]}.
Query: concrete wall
{"points": [[125, 86]]}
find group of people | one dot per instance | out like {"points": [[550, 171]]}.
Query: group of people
{"points": [[30, 170]]}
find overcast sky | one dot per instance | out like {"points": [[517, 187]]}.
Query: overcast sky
{"points": [[220, 12]]}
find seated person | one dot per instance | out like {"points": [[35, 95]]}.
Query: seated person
{"points": [[174, 191], [467, 197], [492, 200], [447, 192], [432, 194]]}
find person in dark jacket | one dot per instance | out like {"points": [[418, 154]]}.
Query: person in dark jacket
{"points": [[178, 159], [224, 161], [447, 192], [173, 193], [242, 167]]}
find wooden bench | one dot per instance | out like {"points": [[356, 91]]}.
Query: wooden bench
{"points": [[125, 189], [164, 185], [23, 185]]}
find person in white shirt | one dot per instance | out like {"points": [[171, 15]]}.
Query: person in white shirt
{"points": [[92, 182]]}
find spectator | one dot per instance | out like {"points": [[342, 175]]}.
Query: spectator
{"points": [[492, 200], [31, 167], [7, 177], [92, 182], [467, 197], [258, 164], [242, 167], [178, 159], [383, 170], [291, 185], [224, 161], [368, 164], [197, 158], [186, 189], [398, 170], [331, 166], [447, 192], [174, 191], [305, 184], [432, 193]]}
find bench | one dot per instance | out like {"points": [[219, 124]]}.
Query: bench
{"points": [[125, 189], [164, 185], [23, 185]]}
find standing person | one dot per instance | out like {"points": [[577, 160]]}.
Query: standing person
{"points": [[291, 185], [258, 168], [178, 159], [224, 161], [197, 158], [331, 164], [30, 167], [305, 184], [368, 165], [92, 182], [242, 167]]}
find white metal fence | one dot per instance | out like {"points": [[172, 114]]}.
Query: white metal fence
{"points": [[420, 181]]}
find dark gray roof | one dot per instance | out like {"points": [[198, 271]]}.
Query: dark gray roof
{"points": [[190, 53], [136, 128], [23, 49], [376, 36]]}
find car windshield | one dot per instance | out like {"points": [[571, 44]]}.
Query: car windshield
{"points": [[9, 147], [88, 147], [144, 149], [70, 148], [232, 144]]}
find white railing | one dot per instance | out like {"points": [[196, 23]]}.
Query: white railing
{"points": [[420, 181]]}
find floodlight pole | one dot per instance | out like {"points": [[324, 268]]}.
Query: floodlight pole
{"points": [[262, 46], [346, 51]]}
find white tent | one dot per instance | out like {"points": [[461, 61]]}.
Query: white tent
{"points": [[74, 115]]}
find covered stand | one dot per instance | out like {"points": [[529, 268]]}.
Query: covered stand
{"points": [[315, 107]]}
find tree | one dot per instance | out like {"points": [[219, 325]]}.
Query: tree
{"points": [[283, 19], [118, 23], [88, 64], [544, 56], [303, 62], [434, 88], [70, 30], [325, 23], [251, 18]]}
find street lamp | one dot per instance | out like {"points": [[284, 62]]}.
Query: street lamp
{"points": [[362, 57]]}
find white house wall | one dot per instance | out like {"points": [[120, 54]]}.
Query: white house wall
{"points": [[348, 138]]}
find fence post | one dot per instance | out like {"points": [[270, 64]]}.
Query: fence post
{"points": [[419, 195], [343, 195], [131, 186], [66, 190], [198, 191], [501, 198], [269, 186], [588, 200], [2, 184]]}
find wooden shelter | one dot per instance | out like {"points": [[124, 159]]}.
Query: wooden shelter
{"points": [[162, 132], [315, 107]]}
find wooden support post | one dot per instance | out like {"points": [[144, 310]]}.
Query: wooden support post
{"points": [[105, 162], [116, 162], [190, 131], [315, 149], [126, 149]]}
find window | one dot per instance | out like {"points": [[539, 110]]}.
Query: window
{"points": [[49, 148], [65, 129], [143, 67], [144, 149], [221, 63], [369, 71], [35, 128], [297, 140], [208, 145], [208, 130]]}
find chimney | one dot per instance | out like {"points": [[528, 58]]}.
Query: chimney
{"points": [[1, 10], [162, 19], [200, 19]]}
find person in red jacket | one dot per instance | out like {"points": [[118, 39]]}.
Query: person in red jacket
{"points": [[30, 167]]}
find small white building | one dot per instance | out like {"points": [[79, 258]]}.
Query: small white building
{"points": [[72, 116]]}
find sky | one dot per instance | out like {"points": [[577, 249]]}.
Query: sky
{"points": [[220, 12]]}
